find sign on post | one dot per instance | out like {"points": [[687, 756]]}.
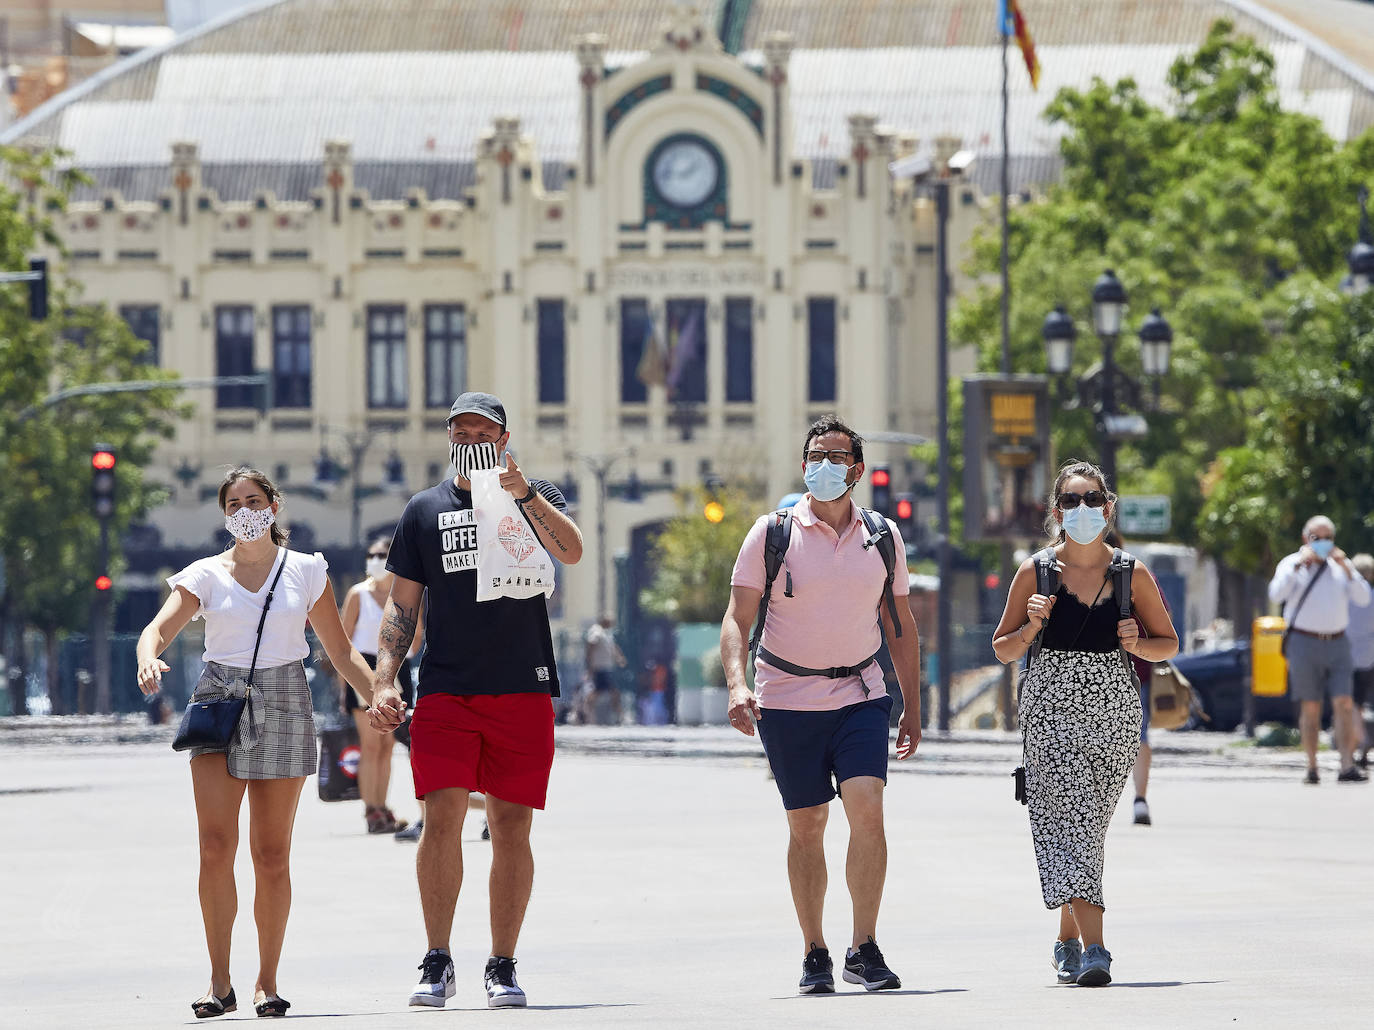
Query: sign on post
{"points": [[1007, 456], [1144, 514]]}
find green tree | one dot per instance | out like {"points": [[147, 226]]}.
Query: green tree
{"points": [[1233, 217], [695, 556], [49, 539]]}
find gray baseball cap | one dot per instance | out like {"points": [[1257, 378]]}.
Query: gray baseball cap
{"points": [[475, 403]]}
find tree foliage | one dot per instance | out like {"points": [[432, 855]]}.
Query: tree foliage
{"points": [[1233, 217], [695, 556]]}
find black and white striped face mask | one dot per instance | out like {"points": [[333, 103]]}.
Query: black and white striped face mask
{"points": [[468, 458]]}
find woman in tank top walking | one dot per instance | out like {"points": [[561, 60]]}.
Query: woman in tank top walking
{"points": [[274, 747], [1080, 712], [362, 618]]}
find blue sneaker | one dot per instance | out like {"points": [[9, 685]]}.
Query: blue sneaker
{"points": [[1096, 970], [867, 967], [818, 976], [1068, 957]]}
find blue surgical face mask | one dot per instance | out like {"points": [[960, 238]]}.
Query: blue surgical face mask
{"points": [[826, 482], [1322, 548], [1084, 524]]}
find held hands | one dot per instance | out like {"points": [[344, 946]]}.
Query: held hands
{"points": [[744, 710], [150, 675], [908, 733], [513, 481], [1038, 610], [388, 710]]}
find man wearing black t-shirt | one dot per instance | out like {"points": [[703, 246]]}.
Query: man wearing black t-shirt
{"points": [[483, 717]]}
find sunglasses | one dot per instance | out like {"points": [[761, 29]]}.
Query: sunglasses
{"points": [[376, 554], [1093, 499]]}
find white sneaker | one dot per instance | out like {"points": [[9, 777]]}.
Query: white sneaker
{"points": [[436, 984], [502, 990], [1142, 812]]}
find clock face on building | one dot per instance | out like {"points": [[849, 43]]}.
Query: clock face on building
{"points": [[685, 173]]}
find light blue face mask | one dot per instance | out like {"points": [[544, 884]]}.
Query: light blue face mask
{"points": [[1322, 548], [1084, 524], [825, 481]]}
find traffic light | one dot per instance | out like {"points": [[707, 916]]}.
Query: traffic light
{"points": [[905, 517], [881, 479], [713, 510], [103, 583], [38, 289], [103, 463]]}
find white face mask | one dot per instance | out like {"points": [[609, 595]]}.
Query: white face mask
{"points": [[471, 457], [249, 524], [376, 567]]}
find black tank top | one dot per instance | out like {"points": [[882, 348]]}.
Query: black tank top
{"points": [[1099, 630]]}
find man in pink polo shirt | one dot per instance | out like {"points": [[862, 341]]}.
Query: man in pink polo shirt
{"points": [[821, 708]]}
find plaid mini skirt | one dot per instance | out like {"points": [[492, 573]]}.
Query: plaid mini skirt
{"points": [[276, 736]]}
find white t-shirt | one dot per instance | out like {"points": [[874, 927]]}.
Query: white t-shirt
{"points": [[231, 613]]}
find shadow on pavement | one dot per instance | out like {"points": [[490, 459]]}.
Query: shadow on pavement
{"points": [[865, 994]]}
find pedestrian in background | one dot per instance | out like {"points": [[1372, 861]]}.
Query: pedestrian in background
{"points": [[484, 717], [1080, 713], [362, 619], [822, 709], [274, 749], [603, 658], [1317, 586], [1361, 632]]}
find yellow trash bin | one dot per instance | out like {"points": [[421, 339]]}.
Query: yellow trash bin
{"points": [[1268, 667]]}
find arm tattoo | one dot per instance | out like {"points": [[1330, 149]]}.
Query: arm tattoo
{"points": [[398, 630], [537, 517]]}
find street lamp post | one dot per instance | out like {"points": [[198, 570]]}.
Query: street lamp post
{"points": [[1361, 256], [357, 442], [1101, 386], [600, 466]]}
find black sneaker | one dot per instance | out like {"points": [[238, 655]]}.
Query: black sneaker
{"points": [[1312, 777], [1351, 775], [436, 984], [866, 966], [502, 990], [818, 975]]}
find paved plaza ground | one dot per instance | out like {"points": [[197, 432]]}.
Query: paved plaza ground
{"points": [[661, 896]]}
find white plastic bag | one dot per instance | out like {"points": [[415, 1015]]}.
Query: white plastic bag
{"points": [[510, 560]]}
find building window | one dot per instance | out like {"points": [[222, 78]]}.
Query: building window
{"points": [[686, 329], [635, 358], [234, 353], [291, 356], [553, 385], [739, 349], [446, 353], [386, 356], [820, 350], [145, 322]]}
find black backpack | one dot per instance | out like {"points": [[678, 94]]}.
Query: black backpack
{"points": [[775, 550], [1047, 580]]}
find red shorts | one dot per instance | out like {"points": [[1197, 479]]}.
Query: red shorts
{"points": [[499, 744]]}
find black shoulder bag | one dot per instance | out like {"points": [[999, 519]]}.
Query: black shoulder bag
{"points": [[216, 723]]}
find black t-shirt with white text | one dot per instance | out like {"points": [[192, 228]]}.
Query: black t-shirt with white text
{"points": [[502, 646]]}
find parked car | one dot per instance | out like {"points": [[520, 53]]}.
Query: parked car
{"points": [[1221, 679]]}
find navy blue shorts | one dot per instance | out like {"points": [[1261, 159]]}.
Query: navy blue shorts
{"points": [[811, 753]]}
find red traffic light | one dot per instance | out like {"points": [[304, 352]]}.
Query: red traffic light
{"points": [[903, 508], [881, 477], [103, 583], [103, 460]]}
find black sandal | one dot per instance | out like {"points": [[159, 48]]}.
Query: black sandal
{"points": [[210, 1006], [273, 1006]]}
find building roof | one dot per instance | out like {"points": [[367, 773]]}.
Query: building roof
{"points": [[412, 84]]}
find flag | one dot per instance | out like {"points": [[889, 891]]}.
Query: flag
{"points": [[685, 348], [653, 358], [1013, 23]]}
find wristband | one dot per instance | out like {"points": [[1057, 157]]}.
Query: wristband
{"points": [[527, 498]]}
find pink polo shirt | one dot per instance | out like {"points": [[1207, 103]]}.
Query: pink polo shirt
{"points": [[832, 617]]}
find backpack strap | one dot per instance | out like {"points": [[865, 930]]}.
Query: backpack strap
{"points": [[880, 534], [774, 551], [1047, 584], [1123, 569]]}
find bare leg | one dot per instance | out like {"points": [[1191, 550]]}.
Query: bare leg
{"points": [[218, 798], [1310, 721], [439, 861], [271, 818], [1068, 925], [1141, 772], [866, 865], [369, 761], [806, 870], [1343, 729], [1089, 919], [512, 871]]}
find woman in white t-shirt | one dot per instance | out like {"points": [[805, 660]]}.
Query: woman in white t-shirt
{"points": [[274, 749], [362, 621]]}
